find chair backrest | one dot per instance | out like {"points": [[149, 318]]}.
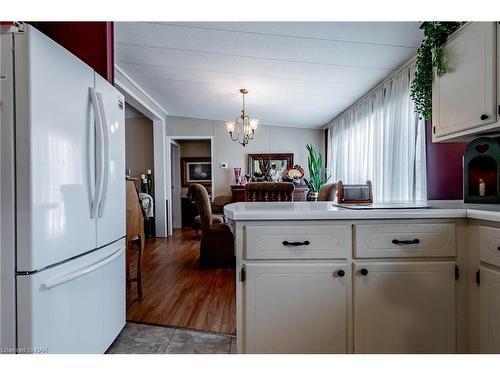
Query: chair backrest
{"points": [[327, 192], [135, 214], [219, 202], [269, 191], [200, 195]]}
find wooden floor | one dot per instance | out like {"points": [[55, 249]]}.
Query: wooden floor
{"points": [[177, 293]]}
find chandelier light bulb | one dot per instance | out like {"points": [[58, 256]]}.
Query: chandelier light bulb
{"points": [[230, 126], [253, 124]]}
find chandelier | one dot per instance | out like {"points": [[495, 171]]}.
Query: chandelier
{"points": [[245, 126]]}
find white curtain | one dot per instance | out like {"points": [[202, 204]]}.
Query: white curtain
{"points": [[381, 139]]}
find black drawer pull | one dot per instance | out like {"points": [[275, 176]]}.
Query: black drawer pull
{"points": [[498, 248], [340, 273], [295, 243], [406, 242], [363, 271], [484, 117]]}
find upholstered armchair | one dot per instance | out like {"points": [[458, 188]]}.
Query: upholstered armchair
{"points": [[327, 192], [269, 191], [217, 240]]}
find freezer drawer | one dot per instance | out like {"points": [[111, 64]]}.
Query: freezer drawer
{"points": [[75, 307]]}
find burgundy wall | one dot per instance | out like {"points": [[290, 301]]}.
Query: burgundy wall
{"points": [[92, 42], [444, 168]]}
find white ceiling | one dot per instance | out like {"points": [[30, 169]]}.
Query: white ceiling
{"points": [[299, 74]]}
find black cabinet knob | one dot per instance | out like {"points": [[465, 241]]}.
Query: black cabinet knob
{"points": [[340, 273], [363, 271], [498, 248], [484, 117]]}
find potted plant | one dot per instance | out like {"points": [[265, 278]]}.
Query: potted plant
{"points": [[317, 174]]}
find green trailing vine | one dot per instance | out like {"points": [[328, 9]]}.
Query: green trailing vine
{"points": [[429, 56]]}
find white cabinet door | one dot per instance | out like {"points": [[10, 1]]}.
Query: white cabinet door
{"points": [[404, 307], [465, 97], [111, 213], [55, 155], [490, 311], [295, 308]]}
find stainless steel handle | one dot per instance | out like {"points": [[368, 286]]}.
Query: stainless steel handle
{"points": [[105, 155], [84, 271], [98, 153]]}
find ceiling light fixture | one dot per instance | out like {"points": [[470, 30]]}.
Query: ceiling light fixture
{"points": [[245, 126]]}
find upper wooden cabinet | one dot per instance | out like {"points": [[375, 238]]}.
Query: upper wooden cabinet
{"points": [[464, 100]]}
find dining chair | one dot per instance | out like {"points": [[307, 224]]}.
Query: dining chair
{"points": [[217, 240], [327, 192], [269, 191], [135, 232]]}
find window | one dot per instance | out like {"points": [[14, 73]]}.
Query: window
{"points": [[381, 139]]}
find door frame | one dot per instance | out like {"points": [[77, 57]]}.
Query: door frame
{"points": [[168, 162], [174, 145], [145, 104]]}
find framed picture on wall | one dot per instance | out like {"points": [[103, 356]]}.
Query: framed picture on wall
{"points": [[196, 170]]}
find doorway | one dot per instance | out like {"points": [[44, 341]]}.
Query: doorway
{"points": [[177, 292], [176, 185], [184, 154]]}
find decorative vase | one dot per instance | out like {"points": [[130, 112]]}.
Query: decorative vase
{"points": [[313, 196], [237, 175]]}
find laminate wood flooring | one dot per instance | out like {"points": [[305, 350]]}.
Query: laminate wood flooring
{"points": [[177, 293]]}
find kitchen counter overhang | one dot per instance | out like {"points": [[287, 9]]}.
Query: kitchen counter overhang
{"points": [[249, 211]]}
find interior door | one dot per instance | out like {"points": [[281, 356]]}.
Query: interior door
{"points": [[404, 307], [55, 155], [111, 212], [295, 308], [176, 186], [490, 310]]}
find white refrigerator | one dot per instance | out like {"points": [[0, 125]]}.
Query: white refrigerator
{"points": [[62, 260]]}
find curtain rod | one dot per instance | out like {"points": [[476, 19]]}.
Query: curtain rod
{"points": [[377, 87]]}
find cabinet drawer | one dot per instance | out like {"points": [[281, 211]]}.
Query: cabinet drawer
{"points": [[405, 240], [489, 245], [297, 242]]}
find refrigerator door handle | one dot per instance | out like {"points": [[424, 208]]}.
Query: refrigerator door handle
{"points": [[76, 274], [104, 124], [99, 153]]}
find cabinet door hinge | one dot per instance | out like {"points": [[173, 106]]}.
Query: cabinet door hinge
{"points": [[434, 130], [243, 274], [478, 277], [499, 109], [457, 272]]}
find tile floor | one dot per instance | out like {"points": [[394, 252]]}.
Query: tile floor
{"points": [[138, 338]]}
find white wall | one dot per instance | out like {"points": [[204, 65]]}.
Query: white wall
{"points": [[268, 139]]}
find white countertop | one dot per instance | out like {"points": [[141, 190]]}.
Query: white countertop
{"points": [[328, 211]]}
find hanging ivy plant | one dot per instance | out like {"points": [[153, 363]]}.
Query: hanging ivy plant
{"points": [[429, 56]]}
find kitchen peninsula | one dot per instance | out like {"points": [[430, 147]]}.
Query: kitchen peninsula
{"points": [[317, 278]]}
